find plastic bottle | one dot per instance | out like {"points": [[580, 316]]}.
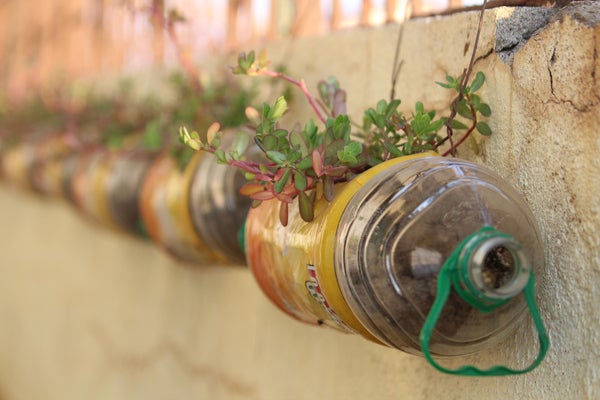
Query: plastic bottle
{"points": [[196, 214], [127, 170], [379, 260], [165, 210], [89, 183], [217, 209]]}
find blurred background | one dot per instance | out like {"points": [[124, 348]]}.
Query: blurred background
{"points": [[55, 41]]}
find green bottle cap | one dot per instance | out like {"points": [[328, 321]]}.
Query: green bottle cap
{"points": [[487, 269]]}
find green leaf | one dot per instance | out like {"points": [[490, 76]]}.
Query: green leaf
{"points": [[419, 108], [456, 124], [442, 84], [341, 127], [221, 157], [298, 141], [280, 184], [299, 180], [391, 107], [484, 109], [381, 107], [269, 142], [437, 125], [323, 89], [452, 83], [477, 82], [421, 124], [378, 119], [392, 149], [484, 128], [276, 156], [279, 107], [328, 188], [305, 163], [186, 138], [240, 143], [306, 207], [346, 158], [464, 110], [310, 134], [294, 156], [354, 148]]}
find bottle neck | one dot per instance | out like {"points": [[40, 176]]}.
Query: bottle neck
{"points": [[487, 269], [491, 268]]}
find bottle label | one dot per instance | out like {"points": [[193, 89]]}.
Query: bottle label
{"points": [[314, 289], [287, 266]]}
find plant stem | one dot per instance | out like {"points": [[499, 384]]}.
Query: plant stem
{"points": [[158, 14], [300, 84], [247, 167], [463, 85], [452, 149]]}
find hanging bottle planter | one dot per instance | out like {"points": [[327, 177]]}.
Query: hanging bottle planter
{"points": [[89, 185], [372, 232], [126, 174], [16, 161], [197, 213], [45, 171], [217, 209], [379, 260], [165, 210]]}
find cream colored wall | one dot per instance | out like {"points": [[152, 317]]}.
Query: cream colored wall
{"points": [[86, 313]]}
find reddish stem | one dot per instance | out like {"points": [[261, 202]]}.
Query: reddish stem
{"points": [[300, 84], [454, 146], [186, 63], [246, 166]]}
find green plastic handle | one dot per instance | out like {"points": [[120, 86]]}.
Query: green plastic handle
{"points": [[444, 285]]}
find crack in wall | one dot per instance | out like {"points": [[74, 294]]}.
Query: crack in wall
{"points": [[551, 78], [486, 55]]}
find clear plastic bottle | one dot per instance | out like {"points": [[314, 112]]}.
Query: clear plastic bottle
{"points": [[197, 214], [165, 210], [217, 209], [123, 187], [371, 260]]}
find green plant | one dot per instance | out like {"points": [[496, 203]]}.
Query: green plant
{"points": [[307, 163]]}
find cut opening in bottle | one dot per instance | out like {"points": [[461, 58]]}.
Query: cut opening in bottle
{"points": [[499, 268]]}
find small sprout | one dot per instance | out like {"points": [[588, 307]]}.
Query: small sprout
{"points": [[212, 132], [477, 82], [252, 115], [278, 109], [189, 139]]}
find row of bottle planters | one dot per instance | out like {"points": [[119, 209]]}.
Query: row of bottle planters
{"points": [[379, 260], [195, 214]]}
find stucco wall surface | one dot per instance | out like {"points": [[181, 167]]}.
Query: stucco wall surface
{"points": [[88, 313]]}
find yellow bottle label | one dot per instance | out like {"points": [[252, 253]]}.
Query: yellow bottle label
{"points": [[294, 265]]}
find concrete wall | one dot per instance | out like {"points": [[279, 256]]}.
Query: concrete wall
{"points": [[86, 313]]}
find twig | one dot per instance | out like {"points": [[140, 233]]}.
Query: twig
{"points": [[463, 84], [158, 13]]}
